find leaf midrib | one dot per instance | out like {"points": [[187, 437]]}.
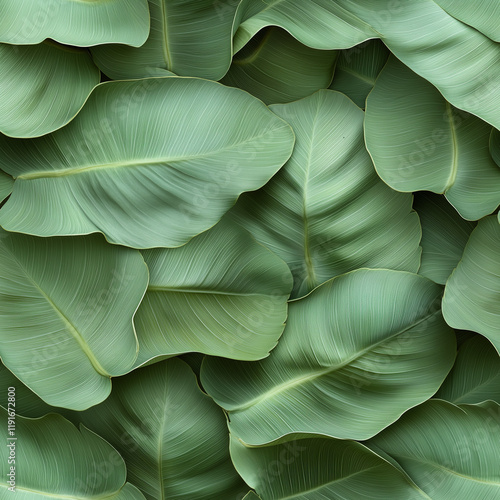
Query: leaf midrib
{"points": [[64, 497], [454, 163], [312, 376], [142, 162], [69, 325], [160, 289], [166, 50]]}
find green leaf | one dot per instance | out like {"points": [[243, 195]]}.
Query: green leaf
{"points": [[42, 87], [472, 295], [495, 145], [357, 69], [448, 451], [186, 38], [6, 183], [483, 15], [419, 142], [327, 212], [360, 350], [320, 24], [149, 163], [319, 468], [276, 68], [53, 459], [460, 61], [28, 404], [444, 236], [221, 294], [80, 23], [475, 377], [173, 437], [67, 306]]}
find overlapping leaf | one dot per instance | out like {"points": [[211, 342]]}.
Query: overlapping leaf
{"points": [[318, 468], [42, 87], [67, 306], [149, 163], [495, 145], [475, 377], [357, 69], [186, 38], [173, 437], [6, 183], [419, 142], [457, 59], [448, 451], [320, 24], [472, 295], [327, 212], [444, 236], [360, 350], [53, 459], [221, 294], [483, 15], [80, 23], [276, 68]]}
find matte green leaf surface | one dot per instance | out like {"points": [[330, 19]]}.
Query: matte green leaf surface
{"points": [[6, 183], [482, 15], [28, 404], [74, 22], [187, 38], [173, 437], [419, 142], [53, 459], [222, 294], [42, 87], [444, 236], [448, 451], [149, 163], [320, 468], [66, 306], [472, 295], [357, 69], [475, 377], [276, 68], [321, 24], [355, 354], [327, 212]]}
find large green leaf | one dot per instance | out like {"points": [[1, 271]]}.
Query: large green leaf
{"points": [[359, 350], [419, 142], [149, 163], [319, 468], [357, 69], [450, 452], [276, 68], [475, 377], [460, 61], [190, 38], [321, 24], [67, 306], [251, 495], [221, 294], [472, 295], [80, 23], [327, 212], [53, 459], [444, 236], [6, 183], [173, 437], [42, 87], [482, 15]]}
